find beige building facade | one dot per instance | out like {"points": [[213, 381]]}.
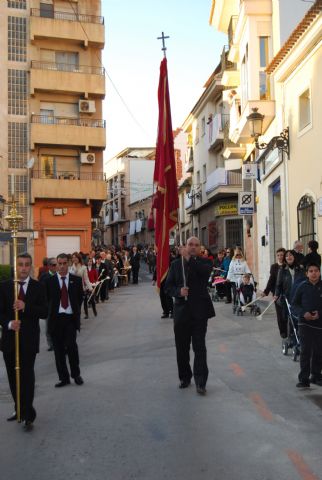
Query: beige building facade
{"points": [[54, 134]]}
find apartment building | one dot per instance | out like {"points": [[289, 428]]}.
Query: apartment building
{"points": [[213, 196], [130, 187], [255, 30], [51, 119]]}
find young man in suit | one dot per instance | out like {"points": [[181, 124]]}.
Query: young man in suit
{"points": [[31, 305], [65, 296], [192, 308]]}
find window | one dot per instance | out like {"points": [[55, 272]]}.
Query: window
{"points": [[304, 109], [306, 219], [47, 166], [17, 92], [46, 10], [20, 184], [68, 61], [203, 126], [17, 145], [17, 4], [17, 39], [204, 172], [264, 84]]}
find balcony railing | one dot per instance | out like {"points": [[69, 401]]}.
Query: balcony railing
{"points": [[66, 67], [216, 126], [221, 177], [78, 122], [64, 175], [71, 17], [231, 29]]}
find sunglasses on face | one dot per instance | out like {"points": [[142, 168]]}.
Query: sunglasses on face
{"points": [[53, 264]]}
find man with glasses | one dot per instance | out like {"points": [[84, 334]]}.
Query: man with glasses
{"points": [[52, 265]]}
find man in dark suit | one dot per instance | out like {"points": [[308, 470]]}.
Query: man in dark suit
{"points": [[105, 272], [65, 296], [52, 265], [32, 306], [135, 259], [192, 308]]}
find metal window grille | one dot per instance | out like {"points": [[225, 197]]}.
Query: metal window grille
{"points": [[17, 39], [17, 92], [17, 145], [234, 232], [22, 4], [20, 183], [306, 220]]}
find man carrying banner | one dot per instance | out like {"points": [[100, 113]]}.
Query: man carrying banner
{"points": [[187, 282]]}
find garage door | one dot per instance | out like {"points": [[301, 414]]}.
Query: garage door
{"points": [[62, 244]]}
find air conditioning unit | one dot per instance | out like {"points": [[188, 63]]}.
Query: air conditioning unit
{"points": [[86, 106], [87, 158]]}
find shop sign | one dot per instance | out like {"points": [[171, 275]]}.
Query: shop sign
{"points": [[249, 171], [228, 208], [246, 203]]}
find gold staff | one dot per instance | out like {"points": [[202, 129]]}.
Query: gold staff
{"points": [[13, 219]]}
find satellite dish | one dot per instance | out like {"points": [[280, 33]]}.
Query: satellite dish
{"points": [[30, 162]]}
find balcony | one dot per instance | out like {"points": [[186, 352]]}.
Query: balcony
{"points": [[241, 133], [232, 150], [66, 78], [230, 73], [81, 132], [233, 47], [68, 185], [220, 182], [216, 130], [67, 26], [189, 160]]}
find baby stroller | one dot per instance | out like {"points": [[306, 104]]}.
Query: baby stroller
{"points": [[216, 286], [244, 294], [292, 341]]}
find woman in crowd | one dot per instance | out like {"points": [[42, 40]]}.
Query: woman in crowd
{"points": [[288, 278], [77, 268], [271, 286], [229, 253], [237, 268]]}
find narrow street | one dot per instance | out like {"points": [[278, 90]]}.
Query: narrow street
{"points": [[130, 421]]}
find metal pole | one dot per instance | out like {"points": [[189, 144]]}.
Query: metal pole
{"points": [[13, 219]]}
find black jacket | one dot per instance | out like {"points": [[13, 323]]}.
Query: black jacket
{"points": [[271, 284], [284, 284], [135, 260], [198, 304], [75, 293], [105, 269], [308, 298], [313, 257], [36, 308]]}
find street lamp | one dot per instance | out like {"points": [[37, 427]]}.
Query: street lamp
{"points": [[281, 141]]}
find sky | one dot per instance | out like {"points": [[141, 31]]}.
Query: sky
{"points": [[132, 57]]}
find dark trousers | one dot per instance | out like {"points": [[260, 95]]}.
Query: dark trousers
{"points": [[186, 331], [104, 290], [27, 381], [166, 300], [310, 353], [135, 274], [281, 320], [64, 340], [91, 302], [228, 291]]}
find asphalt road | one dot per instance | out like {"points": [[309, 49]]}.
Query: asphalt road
{"points": [[130, 421]]}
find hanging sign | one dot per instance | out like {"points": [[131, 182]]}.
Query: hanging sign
{"points": [[246, 202], [249, 171]]}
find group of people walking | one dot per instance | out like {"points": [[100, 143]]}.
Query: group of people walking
{"points": [[67, 283]]}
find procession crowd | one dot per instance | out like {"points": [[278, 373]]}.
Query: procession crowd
{"points": [[69, 283]]}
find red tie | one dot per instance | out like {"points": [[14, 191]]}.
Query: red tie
{"points": [[21, 294], [64, 294]]}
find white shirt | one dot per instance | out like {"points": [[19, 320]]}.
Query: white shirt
{"points": [[24, 287], [68, 310]]}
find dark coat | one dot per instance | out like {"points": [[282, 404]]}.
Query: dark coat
{"points": [[135, 260], [271, 284], [308, 298], [36, 308], [105, 269], [75, 293], [313, 257], [284, 285], [199, 303]]}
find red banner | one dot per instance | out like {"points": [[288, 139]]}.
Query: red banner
{"points": [[166, 200]]}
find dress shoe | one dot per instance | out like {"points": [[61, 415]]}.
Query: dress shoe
{"points": [[79, 380], [28, 425], [201, 389], [12, 417], [50, 349], [316, 381], [184, 384], [62, 383], [165, 315]]}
